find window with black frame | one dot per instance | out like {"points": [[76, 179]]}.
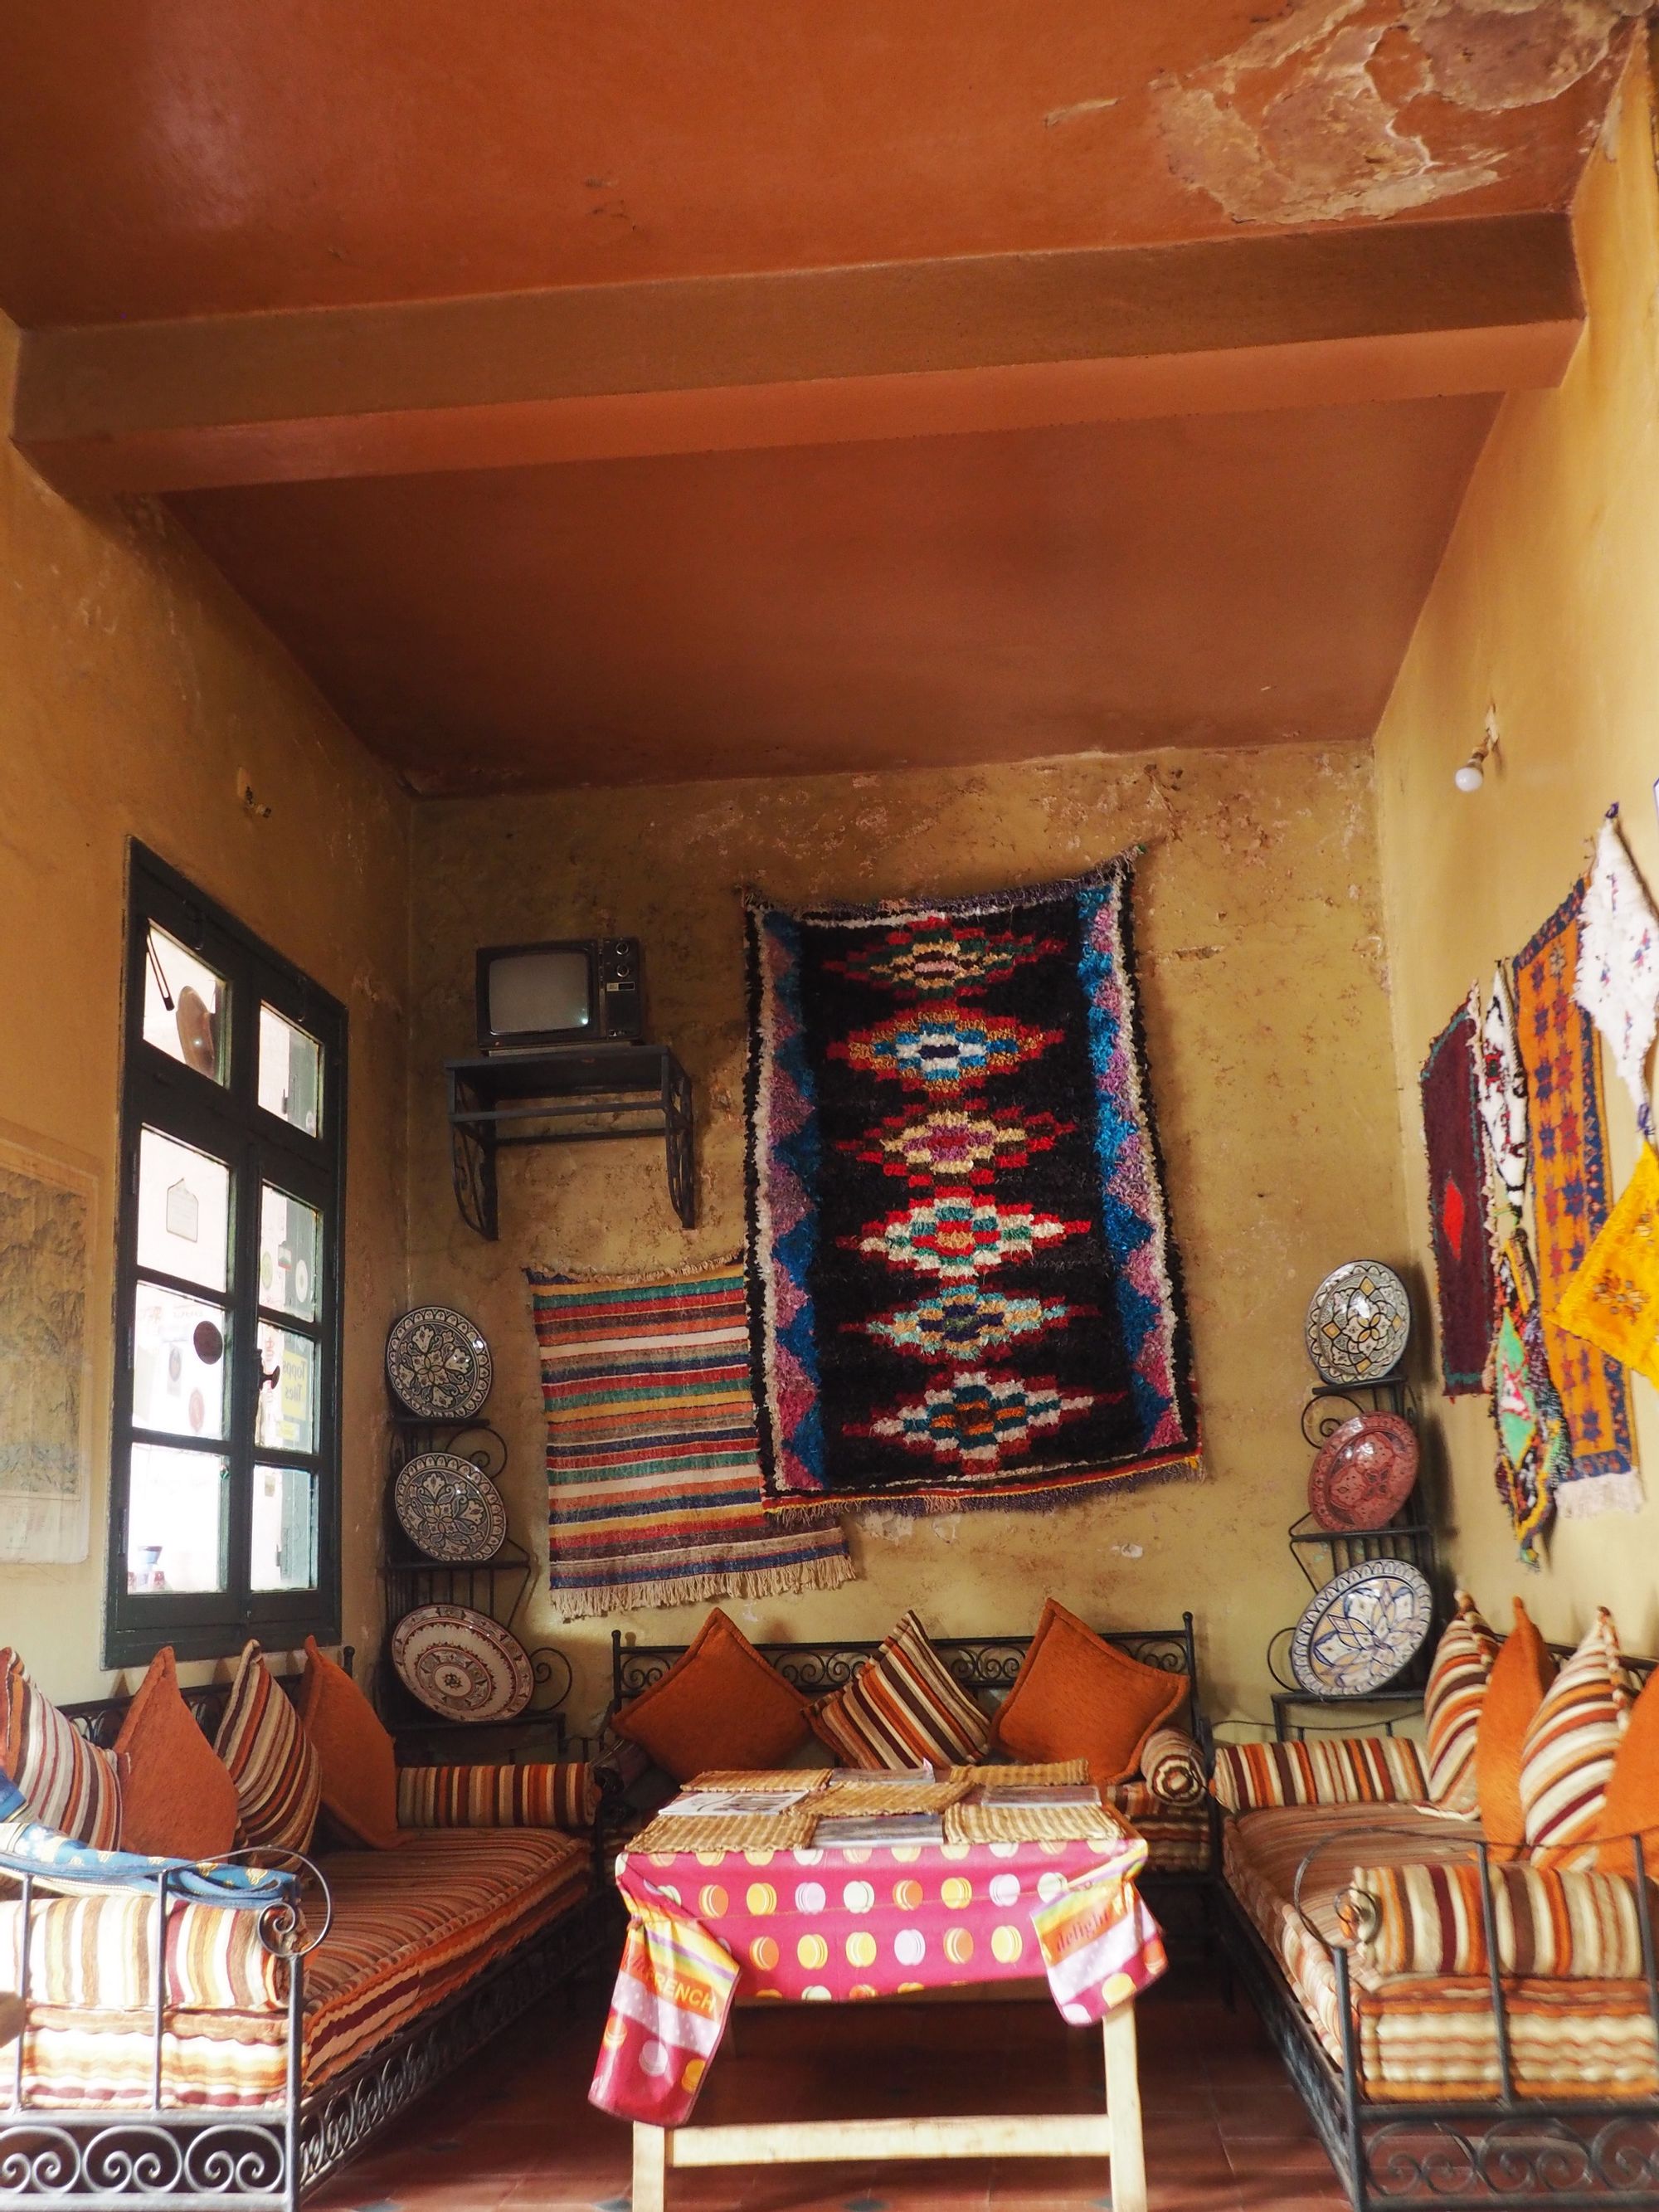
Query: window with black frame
{"points": [[225, 1481]]}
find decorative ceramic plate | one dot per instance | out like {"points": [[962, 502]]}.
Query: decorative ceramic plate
{"points": [[462, 1664], [1357, 1322], [1364, 1474], [449, 1508], [1362, 1629], [439, 1365]]}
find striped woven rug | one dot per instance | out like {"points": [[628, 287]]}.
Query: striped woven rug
{"points": [[652, 1484]]}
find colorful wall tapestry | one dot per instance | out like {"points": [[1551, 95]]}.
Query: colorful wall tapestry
{"points": [[654, 1491], [1613, 1302], [1567, 1172], [1616, 982], [1457, 1202], [1535, 1451], [962, 1282]]}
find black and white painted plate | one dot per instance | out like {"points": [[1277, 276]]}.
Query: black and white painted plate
{"points": [[449, 1508], [1362, 1629], [439, 1365], [1358, 1320]]}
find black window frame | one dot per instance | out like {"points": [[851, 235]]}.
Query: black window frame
{"points": [[227, 1121]]}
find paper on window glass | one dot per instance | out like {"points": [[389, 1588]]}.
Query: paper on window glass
{"points": [[184, 1212]]}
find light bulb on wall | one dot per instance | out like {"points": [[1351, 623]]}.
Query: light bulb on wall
{"points": [[1473, 773]]}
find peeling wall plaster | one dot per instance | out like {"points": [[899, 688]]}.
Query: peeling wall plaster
{"points": [[1341, 108], [1260, 938]]}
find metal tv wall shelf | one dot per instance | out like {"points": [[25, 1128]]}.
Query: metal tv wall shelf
{"points": [[576, 1095]]}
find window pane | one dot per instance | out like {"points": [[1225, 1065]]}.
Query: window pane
{"points": [[290, 1073], [178, 1363], [289, 1236], [184, 1212], [185, 1007], [286, 1416], [284, 1529], [177, 1520]]}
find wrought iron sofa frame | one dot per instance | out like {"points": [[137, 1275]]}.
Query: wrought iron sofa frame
{"points": [[169, 2159], [978, 1664], [1498, 2154]]}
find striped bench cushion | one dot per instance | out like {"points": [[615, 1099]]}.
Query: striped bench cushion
{"points": [[540, 1794], [1177, 1836], [1359, 1770], [411, 1928], [100, 1950]]}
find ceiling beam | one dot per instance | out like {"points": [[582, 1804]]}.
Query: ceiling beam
{"points": [[802, 356]]}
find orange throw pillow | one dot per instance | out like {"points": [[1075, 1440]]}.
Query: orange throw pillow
{"points": [[719, 1705], [359, 1766], [1078, 1696], [1630, 1806], [178, 1800], [1523, 1671]]}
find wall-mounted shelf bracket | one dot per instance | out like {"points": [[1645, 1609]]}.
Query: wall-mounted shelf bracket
{"points": [[577, 1094]]}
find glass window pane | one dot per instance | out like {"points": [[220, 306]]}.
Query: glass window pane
{"points": [[178, 1520], [284, 1529], [290, 1238], [178, 1363], [290, 1073], [184, 1212], [186, 1007], [285, 1418]]}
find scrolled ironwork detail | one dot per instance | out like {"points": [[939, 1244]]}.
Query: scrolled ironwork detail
{"points": [[236, 2158]]}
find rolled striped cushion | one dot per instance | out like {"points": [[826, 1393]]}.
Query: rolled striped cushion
{"points": [[1355, 1770], [901, 1707], [68, 1783], [101, 1951], [1172, 1767], [542, 1793], [1566, 1760], [1427, 1919], [1451, 1705], [274, 1764]]}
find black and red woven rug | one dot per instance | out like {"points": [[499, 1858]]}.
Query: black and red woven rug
{"points": [[963, 1285]]}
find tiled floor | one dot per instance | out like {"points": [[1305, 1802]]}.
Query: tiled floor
{"points": [[514, 2130]]}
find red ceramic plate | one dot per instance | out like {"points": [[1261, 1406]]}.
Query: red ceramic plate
{"points": [[1364, 1474]]}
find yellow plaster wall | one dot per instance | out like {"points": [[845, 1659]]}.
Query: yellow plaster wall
{"points": [[134, 686], [1545, 608], [1258, 917]]}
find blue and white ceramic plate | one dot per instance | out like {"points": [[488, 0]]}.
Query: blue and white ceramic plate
{"points": [[1362, 1629], [439, 1365], [449, 1508]]}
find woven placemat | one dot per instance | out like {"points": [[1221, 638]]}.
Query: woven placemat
{"points": [[1058, 1772], [728, 1832], [856, 1801], [1029, 1824], [761, 1777]]}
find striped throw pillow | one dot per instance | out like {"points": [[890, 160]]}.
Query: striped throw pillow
{"points": [[1566, 1760], [1451, 1705], [1355, 1769], [1172, 1767], [274, 1766], [902, 1707], [69, 1784], [1428, 1919]]}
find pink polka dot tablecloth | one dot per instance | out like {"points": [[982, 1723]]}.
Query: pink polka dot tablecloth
{"points": [[833, 1926]]}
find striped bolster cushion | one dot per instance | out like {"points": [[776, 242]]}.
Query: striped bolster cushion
{"points": [[99, 1952], [1172, 1767], [1566, 1758], [543, 1794], [272, 1761], [68, 1783], [1452, 1699], [901, 1707], [1355, 1770], [1549, 1922]]}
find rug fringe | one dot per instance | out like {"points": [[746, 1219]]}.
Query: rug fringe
{"points": [[1581, 1497], [828, 1573], [1049, 1498]]}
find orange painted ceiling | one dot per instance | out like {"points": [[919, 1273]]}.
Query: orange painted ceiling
{"points": [[1233, 577]]}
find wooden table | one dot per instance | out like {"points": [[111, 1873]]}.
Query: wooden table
{"points": [[1114, 2134]]}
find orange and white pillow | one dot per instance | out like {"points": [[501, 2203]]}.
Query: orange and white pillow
{"points": [[901, 1707], [1567, 1758], [273, 1763], [1451, 1705]]}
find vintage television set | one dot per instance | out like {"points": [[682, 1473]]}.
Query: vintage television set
{"points": [[566, 991]]}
